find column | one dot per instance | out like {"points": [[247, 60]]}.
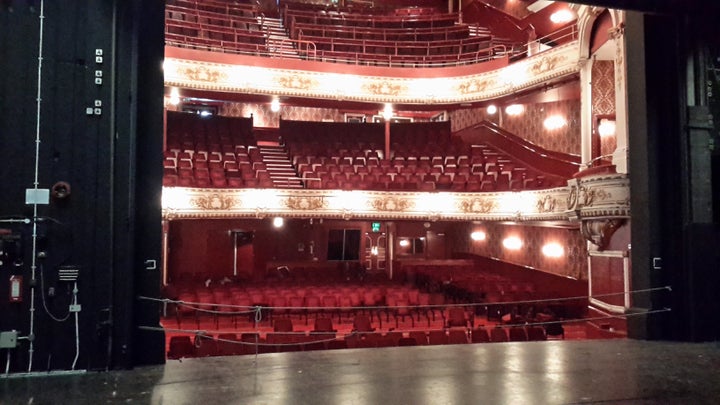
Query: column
{"points": [[586, 113], [620, 156]]}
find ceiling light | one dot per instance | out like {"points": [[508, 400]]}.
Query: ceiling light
{"points": [[562, 16], [491, 109]]}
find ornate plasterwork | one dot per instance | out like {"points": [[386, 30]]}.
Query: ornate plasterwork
{"points": [[383, 88], [181, 202], [546, 64], [546, 203], [296, 82], [214, 202], [599, 196], [477, 205], [391, 203], [203, 73], [474, 85], [444, 87], [306, 203]]}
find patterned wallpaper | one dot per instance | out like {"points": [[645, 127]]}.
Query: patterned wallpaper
{"points": [[603, 87], [603, 98], [572, 264], [263, 117], [529, 125], [461, 119]]}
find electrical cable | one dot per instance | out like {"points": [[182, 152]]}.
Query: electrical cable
{"points": [[31, 348], [77, 327], [42, 296]]}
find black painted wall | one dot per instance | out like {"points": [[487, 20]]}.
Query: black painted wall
{"points": [[109, 223], [669, 151]]}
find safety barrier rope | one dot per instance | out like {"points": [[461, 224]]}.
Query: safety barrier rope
{"points": [[324, 336], [203, 334], [259, 308]]}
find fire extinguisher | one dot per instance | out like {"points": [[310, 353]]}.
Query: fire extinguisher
{"points": [[15, 288]]}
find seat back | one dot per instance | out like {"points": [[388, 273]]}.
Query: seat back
{"points": [[498, 335]]}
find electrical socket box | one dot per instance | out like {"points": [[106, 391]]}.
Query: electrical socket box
{"points": [[8, 340], [37, 196], [75, 308]]}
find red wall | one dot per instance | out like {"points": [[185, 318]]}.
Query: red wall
{"points": [[573, 264], [529, 125], [203, 248]]}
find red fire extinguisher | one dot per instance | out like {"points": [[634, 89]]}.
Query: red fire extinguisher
{"points": [[15, 288]]}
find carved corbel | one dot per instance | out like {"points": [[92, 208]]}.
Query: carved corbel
{"points": [[599, 231], [617, 31]]}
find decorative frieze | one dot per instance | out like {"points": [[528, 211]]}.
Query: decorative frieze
{"points": [[599, 196], [262, 77], [520, 206]]}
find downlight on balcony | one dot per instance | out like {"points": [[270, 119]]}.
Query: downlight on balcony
{"points": [[514, 109], [478, 236], [512, 243], [606, 127], [554, 122], [275, 105], [553, 250], [174, 96]]}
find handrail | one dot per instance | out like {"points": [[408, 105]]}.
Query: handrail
{"points": [[356, 17], [541, 159], [378, 33], [427, 54]]}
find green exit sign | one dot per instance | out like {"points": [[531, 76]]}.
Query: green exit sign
{"points": [[375, 226]]}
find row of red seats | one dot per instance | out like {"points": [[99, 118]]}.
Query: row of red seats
{"points": [[467, 48], [191, 129], [250, 343], [230, 8], [291, 15], [454, 32]]}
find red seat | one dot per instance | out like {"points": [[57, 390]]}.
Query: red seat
{"points": [[180, 347], [457, 336], [498, 335], [479, 335]]}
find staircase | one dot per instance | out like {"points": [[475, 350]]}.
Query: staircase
{"points": [[279, 167], [278, 42]]}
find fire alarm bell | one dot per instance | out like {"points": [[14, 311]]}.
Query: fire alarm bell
{"points": [[15, 288]]}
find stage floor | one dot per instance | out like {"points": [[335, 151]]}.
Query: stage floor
{"points": [[548, 372]]}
